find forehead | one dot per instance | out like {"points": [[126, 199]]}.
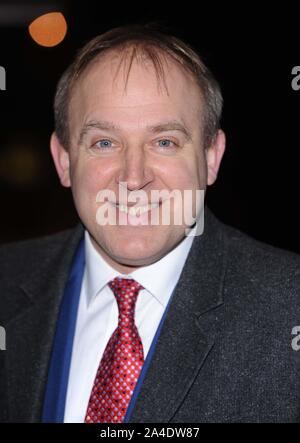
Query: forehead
{"points": [[115, 86]]}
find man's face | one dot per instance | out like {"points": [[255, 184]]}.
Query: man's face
{"points": [[146, 136]]}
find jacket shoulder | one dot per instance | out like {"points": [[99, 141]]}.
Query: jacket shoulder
{"points": [[18, 258], [268, 272], [251, 251]]}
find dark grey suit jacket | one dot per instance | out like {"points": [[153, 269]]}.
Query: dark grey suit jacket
{"points": [[225, 351]]}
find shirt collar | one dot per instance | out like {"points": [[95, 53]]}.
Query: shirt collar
{"points": [[167, 271]]}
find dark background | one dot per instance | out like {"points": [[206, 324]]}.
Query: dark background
{"points": [[251, 52]]}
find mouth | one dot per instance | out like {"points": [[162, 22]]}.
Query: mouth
{"points": [[136, 210]]}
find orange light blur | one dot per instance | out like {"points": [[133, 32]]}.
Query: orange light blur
{"points": [[48, 29]]}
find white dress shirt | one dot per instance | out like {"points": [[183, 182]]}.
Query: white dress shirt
{"points": [[97, 316]]}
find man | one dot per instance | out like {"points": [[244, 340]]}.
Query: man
{"points": [[127, 320]]}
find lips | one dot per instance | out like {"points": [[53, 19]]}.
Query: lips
{"points": [[136, 210]]}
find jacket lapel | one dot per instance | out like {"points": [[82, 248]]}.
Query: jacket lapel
{"points": [[186, 338], [38, 301]]}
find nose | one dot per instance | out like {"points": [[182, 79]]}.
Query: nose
{"points": [[134, 170]]}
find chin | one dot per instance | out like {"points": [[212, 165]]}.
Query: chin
{"points": [[135, 249]]}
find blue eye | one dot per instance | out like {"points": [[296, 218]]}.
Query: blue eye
{"points": [[165, 143], [104, 143]]}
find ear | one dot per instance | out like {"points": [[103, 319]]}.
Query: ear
{"points": [[214, 156], [61, 160]]}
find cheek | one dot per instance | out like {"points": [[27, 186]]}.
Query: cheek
{"points": [[187, 174], [89, 178], [197, 171]]}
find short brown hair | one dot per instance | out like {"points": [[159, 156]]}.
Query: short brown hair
{"points": [[154, 43]]}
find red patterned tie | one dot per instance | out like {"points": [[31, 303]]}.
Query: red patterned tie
{"points": [[122, 360]]}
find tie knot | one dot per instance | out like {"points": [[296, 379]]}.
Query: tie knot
{"points": [[126, 291]]}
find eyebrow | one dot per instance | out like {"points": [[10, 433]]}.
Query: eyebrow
{"points": [[172, 125]]}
